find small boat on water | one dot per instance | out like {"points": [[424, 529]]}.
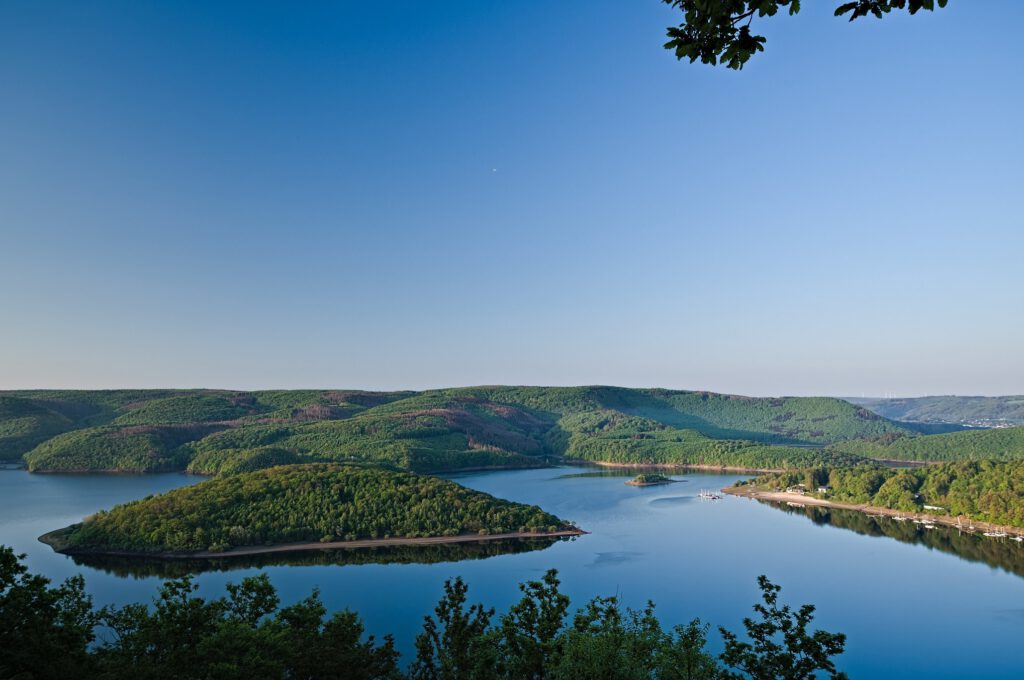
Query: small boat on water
{"points": [[996, 534], [1019, 539], [708, 495], [900, 518], [795, 505]]}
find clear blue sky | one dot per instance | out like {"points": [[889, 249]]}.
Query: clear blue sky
{"points": [[408, 195]]}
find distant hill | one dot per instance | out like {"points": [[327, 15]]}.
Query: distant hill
{"points": [[218, 431], [301, 503], [972, 411], [995, 444]]}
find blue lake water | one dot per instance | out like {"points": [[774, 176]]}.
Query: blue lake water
{"points": [[950, 607]]}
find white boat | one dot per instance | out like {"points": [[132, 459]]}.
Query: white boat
{"points": [[795, 505], [996, 534], [708, 495], [1017, 538]]}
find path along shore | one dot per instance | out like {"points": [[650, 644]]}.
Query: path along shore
{"points": [[789, 497]]}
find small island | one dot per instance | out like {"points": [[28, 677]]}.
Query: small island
{"points": [[304, 507], [650, 479]]}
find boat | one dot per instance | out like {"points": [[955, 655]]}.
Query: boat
{"points": [[795, 505], [900, 518], [708, 495], [996, 534], [1017, 538]]}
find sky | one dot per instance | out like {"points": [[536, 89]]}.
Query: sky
{"points": [[412, 195]]}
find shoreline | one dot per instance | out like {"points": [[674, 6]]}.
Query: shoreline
{"points": [[52, 539], [945, 520]]}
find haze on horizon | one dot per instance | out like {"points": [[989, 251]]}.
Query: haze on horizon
{"points": [[403, 196]]}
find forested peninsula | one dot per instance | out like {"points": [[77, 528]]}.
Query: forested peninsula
{"points": [[303, 506]]}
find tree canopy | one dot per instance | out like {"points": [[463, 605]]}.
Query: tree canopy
{"points": [[51, 631], [719, 31]]}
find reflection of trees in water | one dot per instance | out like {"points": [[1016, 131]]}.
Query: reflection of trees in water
{"points": [[427, 554], [1002, 553]]}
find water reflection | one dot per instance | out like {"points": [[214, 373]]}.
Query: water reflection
{"points": [[998, 553], [140, 567]]}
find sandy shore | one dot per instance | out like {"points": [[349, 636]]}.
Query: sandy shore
{"points": [[52, 539], [786, 497]]}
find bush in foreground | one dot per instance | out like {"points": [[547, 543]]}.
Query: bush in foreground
{"points": [[52, 632]]}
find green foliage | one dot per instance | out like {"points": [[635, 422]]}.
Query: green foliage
{"points": [[190, 408], [302, 503], [985, 490], [780, 645], [25, 424], [46, 632], [718, 31], [996, 444], [231, 461], [139, 448], [244, 635]]}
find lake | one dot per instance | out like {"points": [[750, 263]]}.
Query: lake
{"points": [[912, 605]]}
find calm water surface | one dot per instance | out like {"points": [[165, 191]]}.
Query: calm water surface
{"points": [[948, 608]]}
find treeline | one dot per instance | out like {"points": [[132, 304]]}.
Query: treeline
{"points": [[301, 503], [988, 491], [621, 443], [52, 632], [996, 444]]}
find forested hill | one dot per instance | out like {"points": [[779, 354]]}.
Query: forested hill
{"points": [[995, 444], [216, 431], [302, 503], [975, 411]]}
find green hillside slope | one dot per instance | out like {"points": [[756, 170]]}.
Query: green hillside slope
{"points": [[997, 444], [25, 424], [137, 448], [301, 503]]}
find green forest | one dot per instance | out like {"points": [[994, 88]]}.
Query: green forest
{"points": [[300, 503], [215, 432], [995, 444], [49, 631], [988, 491]]}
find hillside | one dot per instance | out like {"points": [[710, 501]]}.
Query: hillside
{"points": [[137, 448], [996, 444], [24, 424], [974, 411], [302, 503], [217, 431]]}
